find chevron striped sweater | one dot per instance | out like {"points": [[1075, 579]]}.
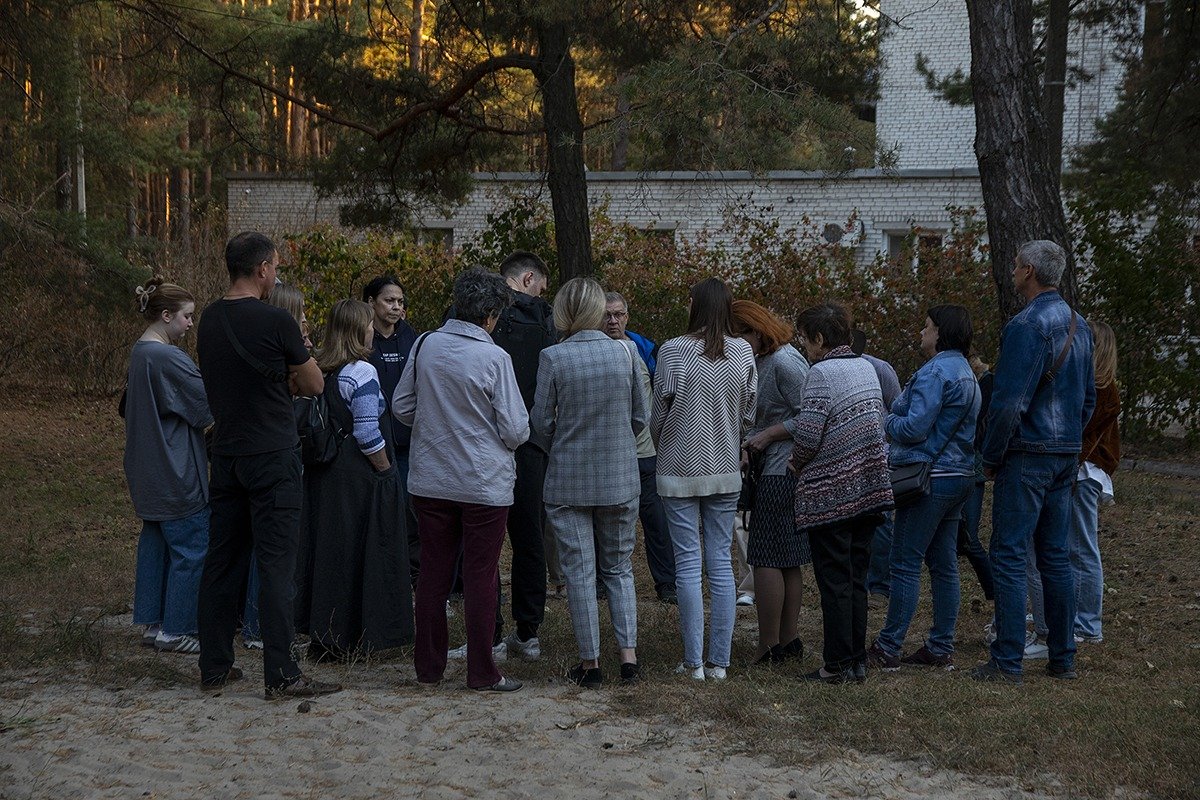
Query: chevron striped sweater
{"points": [[700, 409], [839, 456]]}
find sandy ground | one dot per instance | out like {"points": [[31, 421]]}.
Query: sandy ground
{"points": [[388, 737]]}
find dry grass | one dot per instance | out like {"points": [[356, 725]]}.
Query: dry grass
{"points": [[69, 536]]}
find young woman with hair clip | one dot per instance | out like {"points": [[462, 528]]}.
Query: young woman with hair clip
{"points": [[360, 595], [704, 393], [166, 466]]}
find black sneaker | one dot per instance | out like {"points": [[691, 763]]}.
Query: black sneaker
{"points": [[988, 672], [879, 658], [588, 678], [860, 672], [631, 672], [926, 658], [219, 683], [667, 594], [1061, 673], [845, 676]]}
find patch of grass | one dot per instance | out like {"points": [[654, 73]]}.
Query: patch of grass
{"points": [[68, 535]]}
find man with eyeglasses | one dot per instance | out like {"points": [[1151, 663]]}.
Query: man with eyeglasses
{"points": [[659, 555]]}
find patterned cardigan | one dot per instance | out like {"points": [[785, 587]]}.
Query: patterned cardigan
{"points": [[839, 456]]}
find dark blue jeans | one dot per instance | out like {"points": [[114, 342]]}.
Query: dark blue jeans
{"points": [[880, 568], [1031, 506], [927, 530], [659, 554], [969, 544]]}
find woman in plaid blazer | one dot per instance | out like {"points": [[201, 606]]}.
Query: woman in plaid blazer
{"points": [[590, 406]]}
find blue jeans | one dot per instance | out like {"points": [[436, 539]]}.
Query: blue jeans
{"points": [[1085, 558], [880, 568], [968, 540], [250, 626], [686, 518], [927, 530], [1032, 509], [170, 560]]}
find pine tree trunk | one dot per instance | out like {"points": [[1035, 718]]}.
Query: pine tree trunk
{"points": [[414, 35], [179, 186], [620, 153], [565, 172], [1020, 189]]}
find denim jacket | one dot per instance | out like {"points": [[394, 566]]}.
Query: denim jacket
{"points": [[926, 413], [1026, 413]]}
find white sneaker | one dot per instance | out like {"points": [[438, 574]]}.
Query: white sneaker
{"points": [[694, 672], [530, 650], [745, 599], [1035, 649], [185, 644], [989, 632], [714, 673], [252, 643], [499, 653], [1081, 639]]}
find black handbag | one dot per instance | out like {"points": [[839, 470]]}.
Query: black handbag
{"points": [[910, 482], [751, 475]]}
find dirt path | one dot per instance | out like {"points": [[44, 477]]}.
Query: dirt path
{"points": [[388, 737]]}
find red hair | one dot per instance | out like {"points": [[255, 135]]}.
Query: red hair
{"points": [[774, 332]]}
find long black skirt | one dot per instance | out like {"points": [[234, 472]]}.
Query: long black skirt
{"points": [[358, 585]]}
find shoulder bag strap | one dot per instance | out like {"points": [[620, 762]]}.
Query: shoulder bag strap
{"points": [[1062, 354], [274, 376]]}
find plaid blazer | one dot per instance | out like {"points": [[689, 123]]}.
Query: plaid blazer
{"points": [[590, 405]]}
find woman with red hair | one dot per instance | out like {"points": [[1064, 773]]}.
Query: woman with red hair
{"points": [[776, 550]]}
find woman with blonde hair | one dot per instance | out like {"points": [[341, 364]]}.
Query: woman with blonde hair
{"points": [[590, 406], [360, 593], [166, 465], [776, 549], [1098, 461]]}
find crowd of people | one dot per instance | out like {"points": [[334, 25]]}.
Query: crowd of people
{"points": [[339, 496]]}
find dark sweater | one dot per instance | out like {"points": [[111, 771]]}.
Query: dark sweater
{"points": [[1101, 438]]}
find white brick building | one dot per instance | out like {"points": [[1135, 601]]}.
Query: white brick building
{"points": [[933, 140]]}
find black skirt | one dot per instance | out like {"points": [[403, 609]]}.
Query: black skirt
{"points": [[359, 593], [774, 540]]}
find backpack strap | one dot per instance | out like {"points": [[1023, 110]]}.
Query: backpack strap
{"points": [[272, 375]]}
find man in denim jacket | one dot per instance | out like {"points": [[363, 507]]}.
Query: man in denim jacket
{"points": [[1031, 448]]}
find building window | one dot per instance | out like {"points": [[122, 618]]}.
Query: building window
{"points": [[664, 235], [922, 244], [442, 236]]}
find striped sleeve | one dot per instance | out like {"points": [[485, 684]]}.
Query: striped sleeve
{"points": [[358, 383]]}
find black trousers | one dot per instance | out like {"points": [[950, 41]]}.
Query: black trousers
{"points": [[255, 504], [526, 522], [841, 554], [660, 556]]}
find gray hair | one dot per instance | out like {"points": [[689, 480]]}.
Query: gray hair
{"points": [[616, 297], [1048, 260], [478, 295]]}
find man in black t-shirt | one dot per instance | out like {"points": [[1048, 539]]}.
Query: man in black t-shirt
{"points": [[252, 360]]}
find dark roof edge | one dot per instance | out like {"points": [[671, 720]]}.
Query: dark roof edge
{"points": [[680, 176]]}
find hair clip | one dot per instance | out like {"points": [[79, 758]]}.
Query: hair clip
{"points": [[143, 293]]}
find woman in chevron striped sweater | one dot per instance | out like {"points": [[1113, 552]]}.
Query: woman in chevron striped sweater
{"points": [[704, 394], [843, 484]]}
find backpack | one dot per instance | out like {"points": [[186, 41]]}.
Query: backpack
{"points": [[320, 434]]}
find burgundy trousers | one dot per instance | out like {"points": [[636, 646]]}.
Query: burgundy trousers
{"points": [[442, 526]]}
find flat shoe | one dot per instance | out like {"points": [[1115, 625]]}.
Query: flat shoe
{"points": [[845, 676], [303, 686], [505, 684]]}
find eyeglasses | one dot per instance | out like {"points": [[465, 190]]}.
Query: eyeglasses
{"points": [[616, 315]]}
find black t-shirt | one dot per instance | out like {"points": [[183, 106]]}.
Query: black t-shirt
{"points": [[388, 355], [252, 414]]}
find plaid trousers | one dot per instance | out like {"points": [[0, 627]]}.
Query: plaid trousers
{"points": [[597, 536]]}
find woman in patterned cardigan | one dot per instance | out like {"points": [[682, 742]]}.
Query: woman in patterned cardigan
{"points": [[843, 484]]}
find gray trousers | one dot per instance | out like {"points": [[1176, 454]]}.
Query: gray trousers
{"points": [[597, 536]]}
